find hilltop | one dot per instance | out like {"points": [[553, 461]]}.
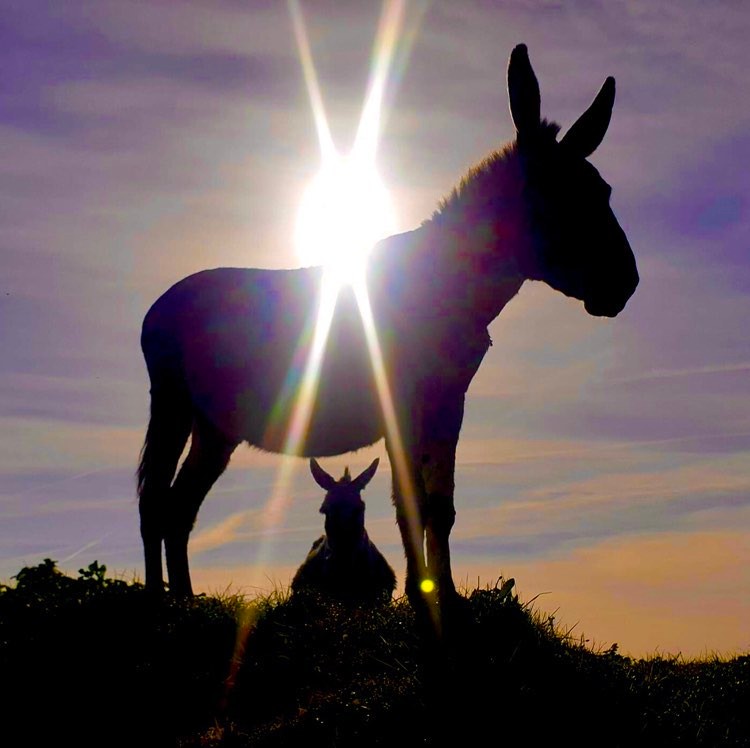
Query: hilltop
{"points": [[94, 660]]}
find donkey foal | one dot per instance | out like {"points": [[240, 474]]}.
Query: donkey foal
{"points": [[344, 563]]}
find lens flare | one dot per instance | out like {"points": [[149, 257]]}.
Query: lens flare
{"points": [[427, 586], [397, 453], [345, 210]]}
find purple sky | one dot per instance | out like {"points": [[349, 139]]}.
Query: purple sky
{"points": [[606, 462]]}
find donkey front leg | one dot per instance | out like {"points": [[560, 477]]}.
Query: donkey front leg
{"points": [[440, 515], [438, 477]]}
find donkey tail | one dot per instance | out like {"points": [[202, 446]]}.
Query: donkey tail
{"points": [[171, 416], [168, 430]]}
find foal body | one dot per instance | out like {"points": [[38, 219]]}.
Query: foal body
{"points": [[344, 563], [225, 347]]}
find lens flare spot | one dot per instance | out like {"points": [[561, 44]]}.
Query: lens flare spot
{"points": [[427, 586]]}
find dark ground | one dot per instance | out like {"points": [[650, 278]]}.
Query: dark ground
{"points": [[95, 661]]}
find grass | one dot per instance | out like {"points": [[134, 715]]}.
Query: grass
{"points": [[94, 660]]}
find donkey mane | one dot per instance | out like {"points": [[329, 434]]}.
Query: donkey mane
{"points": [[486, 183]]}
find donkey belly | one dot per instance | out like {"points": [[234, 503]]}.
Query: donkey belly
{"points": [[335, 410], [342, 420], [246, 344], [283, 411]]}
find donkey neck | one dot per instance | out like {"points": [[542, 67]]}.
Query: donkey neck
{"points": [[481, 232], [470, 258]]}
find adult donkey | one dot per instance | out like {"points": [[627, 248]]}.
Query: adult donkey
{"points": [[223, 346]]}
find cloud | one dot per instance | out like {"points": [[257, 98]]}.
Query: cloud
{"points": [[48, 57], [695, 371], [90, 400], [530, 500], [35, 444], [224, 27], [236, 527], [674, 366], [667, 593]]}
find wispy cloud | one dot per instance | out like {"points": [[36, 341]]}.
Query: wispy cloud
{"points": [[676, 591], [74, 447], [82, 549], [687, 372], [234, 528]]}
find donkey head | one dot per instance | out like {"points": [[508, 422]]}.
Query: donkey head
{"points": [[578, 246], [343, 507]]}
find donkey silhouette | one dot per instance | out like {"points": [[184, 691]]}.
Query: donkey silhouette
{"points": [[344, 563], [222, 345]]}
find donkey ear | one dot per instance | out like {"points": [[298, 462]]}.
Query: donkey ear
{"points": [[587, 132], [364, 478], [523, 91], [325, 481]]}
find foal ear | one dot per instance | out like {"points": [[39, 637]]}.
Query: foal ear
{"points": [[587, 132], [364, 478], [325, 481], [523, 91]]}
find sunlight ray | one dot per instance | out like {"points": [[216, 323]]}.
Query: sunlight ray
{"points": [[311, 80], [349, 187], [347, 190], [274, 510], [397, 451], [309, 384], [391, 22], [393, 433], [341, 183]]}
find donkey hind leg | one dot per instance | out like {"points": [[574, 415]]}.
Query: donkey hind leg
{"points": [[166, 436], [208, 457]]}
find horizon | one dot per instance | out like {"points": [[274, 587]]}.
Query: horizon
{"points": [[604, 464]]}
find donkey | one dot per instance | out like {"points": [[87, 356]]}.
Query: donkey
{"points": [[344, 563], [223, 347]]}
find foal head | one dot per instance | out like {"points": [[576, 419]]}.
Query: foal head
{"points": [[342, 506], [578, 247]]}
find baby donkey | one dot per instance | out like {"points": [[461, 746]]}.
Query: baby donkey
{"points": [[344, 563]]}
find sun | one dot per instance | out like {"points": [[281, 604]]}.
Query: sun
{"points": [[344, 211], [346, 208]]}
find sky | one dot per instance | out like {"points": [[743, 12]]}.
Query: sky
{"points": [[603, 463]]}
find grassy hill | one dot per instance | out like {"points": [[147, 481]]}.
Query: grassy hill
{"points": [[95, 661]]}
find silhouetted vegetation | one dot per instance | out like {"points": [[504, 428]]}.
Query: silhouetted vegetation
{"points": [[98, 661]]}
